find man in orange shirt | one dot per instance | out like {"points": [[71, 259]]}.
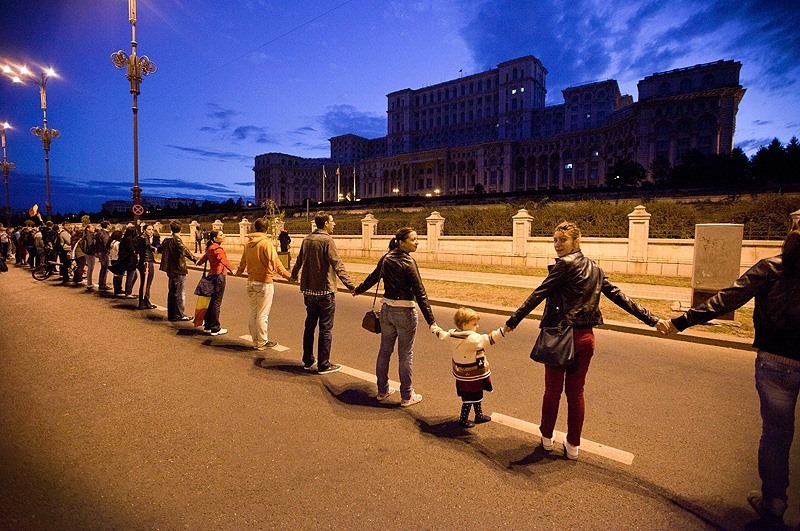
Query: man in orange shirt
{"points": [[261, 262]]}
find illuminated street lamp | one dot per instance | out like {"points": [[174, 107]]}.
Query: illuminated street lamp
{"points": [[6, 166], [46, 134], [136, 67]]}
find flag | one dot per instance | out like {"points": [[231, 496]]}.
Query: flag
{"points": [[337, 169], [33, 210], [200, 310]]}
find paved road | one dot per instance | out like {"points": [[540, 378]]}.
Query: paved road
{"points": [[115, 418]]}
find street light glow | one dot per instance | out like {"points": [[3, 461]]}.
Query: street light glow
{"points": [[6, 125], [24, 71]]}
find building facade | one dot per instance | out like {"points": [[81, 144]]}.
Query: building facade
{"points": [[493, 129]]}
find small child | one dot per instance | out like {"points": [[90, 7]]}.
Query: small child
{"points": [[470, 366]]}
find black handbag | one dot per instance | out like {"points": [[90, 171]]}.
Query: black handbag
{"points": [[554, 346], [372, 319], [207, 286]]}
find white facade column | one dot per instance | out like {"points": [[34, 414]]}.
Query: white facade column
{"points": [[369, 225], [435, 228], [522, 222], [244, 228], [217, 225], [638, 238], [193, 229]]}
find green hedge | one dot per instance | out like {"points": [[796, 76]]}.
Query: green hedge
{"points": [[765, 217]]}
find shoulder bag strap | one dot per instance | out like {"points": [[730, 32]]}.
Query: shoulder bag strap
{"points": [[380, 276]]}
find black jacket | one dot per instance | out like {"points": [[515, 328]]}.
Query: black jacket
{"points": [[144, 249], [777, 313], [401, 281], [572, 289]]}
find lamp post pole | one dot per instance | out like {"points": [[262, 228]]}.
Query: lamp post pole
{"points": [[136, 67], [47, 135], [6, 166]]}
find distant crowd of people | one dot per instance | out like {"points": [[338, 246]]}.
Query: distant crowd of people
{"points": [[571, 292]]}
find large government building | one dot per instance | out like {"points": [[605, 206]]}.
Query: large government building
{"points": [[493, 129]]}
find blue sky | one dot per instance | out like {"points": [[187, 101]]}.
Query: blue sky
{"points": [[236, 79]]}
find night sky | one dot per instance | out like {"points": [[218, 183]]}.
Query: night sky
{"points": [[237, 79]]}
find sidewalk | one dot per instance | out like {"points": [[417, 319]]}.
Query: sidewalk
{"points": [[641, 291]]}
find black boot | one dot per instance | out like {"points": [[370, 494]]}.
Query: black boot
{"points": [[480, 418], [464, 421]]}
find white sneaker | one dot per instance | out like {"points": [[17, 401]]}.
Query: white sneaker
{"points": [[220, 332], [571, 451], [547, 444], [413, 399], [387, 394]]}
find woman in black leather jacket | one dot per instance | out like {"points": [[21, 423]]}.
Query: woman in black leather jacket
{"points": [[775, 284], [572, 290], [402, 293]]}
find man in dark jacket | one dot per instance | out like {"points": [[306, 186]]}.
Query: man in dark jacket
{"points": [[775, 284], [145, 251], [321, 265], [173, 262]]}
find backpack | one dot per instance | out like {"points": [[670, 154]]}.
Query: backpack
{"points": [[90, 247]]}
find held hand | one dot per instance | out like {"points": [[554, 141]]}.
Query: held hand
{"points": [[507, 329], [666, 327]]}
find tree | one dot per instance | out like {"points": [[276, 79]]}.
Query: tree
{"points": [[793, 160], [660, 171], [769, 164], [625, 174], [240, 203]]}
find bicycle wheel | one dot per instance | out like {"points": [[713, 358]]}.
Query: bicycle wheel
{"points": [[42, 272]]}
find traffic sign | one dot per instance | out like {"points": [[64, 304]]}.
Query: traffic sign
{"points": [[138, 210]]}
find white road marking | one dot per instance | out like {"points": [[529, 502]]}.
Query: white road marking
{"points": [[367, 377], [278, 347], [587, 446]]}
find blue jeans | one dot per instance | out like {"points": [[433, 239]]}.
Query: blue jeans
{"points": [[397, 325], [319, 309], [175, 296], [778, 385]]}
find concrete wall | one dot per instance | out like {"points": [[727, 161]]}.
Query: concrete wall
{"points": [[638, 253]]}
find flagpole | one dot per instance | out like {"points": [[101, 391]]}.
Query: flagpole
{"points": [[323, 183], [338, 184]]}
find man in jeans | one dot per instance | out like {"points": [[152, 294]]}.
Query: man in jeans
{"points": [[101, 239], [261, 262], [173, 262], [321, 265]]}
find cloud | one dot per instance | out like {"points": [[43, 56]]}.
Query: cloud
{"points": [[222, 117], [254, 133], [586, 40], [752, 145], [762, 122], [246, 183], [221, 156], [307, 130], [343, 119]]}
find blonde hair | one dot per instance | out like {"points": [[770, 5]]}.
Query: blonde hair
{"points": [[465, 316]]}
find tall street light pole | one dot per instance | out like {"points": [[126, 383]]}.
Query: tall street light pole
{"points": [[46, 134], [136, 67], [6, 166]]}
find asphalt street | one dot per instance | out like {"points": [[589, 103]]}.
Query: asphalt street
{"points": [[115, 418]]}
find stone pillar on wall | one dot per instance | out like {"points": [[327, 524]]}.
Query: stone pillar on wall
{"points": [[369, 225], [638, 238], [795, 219], [244, 228], [217, 225], [193, 229], [435, 227], [521, 231]]}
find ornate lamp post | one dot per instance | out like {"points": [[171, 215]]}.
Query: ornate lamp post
{"points": [[6, 166], [136, 67], [44, 132], [47, 135]]}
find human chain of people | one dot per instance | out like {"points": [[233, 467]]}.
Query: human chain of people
{"points": [[566, 344]]}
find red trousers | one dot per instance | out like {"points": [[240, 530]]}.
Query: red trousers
{"points": [[571, 381]]}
